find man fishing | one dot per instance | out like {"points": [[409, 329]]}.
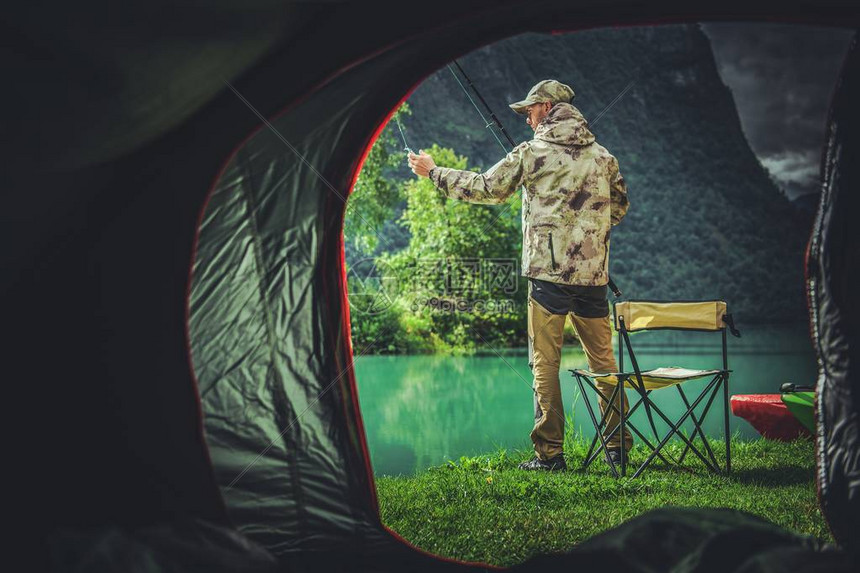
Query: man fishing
{"points": [[573, 193]]}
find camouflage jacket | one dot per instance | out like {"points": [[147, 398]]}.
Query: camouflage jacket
{"points": [[573, 193]]}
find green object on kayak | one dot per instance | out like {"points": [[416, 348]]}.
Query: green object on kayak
{"points": [[801, 405]]}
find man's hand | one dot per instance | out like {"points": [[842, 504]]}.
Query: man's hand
{"points": [[421, 164]]}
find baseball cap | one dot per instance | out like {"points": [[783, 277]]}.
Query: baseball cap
{"points": [[547, 90]]}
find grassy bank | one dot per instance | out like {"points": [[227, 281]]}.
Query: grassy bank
{"points": [[485, 509]]}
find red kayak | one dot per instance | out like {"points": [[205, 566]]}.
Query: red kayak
{"points": [[768, 414]]}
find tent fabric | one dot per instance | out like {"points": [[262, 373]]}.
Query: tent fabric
{"points": [[120, 121], [696, 540], [277, 417], [682, 540], [649, 315], [833, 273], [178, 546]]}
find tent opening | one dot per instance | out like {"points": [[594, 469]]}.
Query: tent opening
{"points": [[436, 334], [437, 303]]}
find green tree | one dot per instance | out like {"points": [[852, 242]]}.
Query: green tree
{"points": [[449, 228], [452, 246], [375, 195]]}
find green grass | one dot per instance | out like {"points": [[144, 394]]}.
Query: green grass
{"points": [[485, 509]]}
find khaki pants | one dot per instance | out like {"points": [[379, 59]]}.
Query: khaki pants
{"points": [[545, 341]]}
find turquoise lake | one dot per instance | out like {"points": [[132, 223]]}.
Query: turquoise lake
{"points": [[421, 411]]}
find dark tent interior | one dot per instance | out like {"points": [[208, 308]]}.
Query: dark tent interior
{"points": [[123, 125]]}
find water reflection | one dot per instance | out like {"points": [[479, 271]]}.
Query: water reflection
{"points": [[421, 411]]}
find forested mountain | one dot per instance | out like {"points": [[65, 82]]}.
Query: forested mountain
{"points": [[705, 218]]}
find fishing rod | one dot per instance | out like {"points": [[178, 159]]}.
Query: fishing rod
{"points": [[488, 124], [406, 147], [408, 150]]}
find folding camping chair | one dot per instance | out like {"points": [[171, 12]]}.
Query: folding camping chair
{"points": [[636, 315]]}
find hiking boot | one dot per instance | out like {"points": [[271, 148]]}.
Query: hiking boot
{"points": [[616, 457], [553, 464]]}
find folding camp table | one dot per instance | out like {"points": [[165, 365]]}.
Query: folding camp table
{"points": [[638, 315]]}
